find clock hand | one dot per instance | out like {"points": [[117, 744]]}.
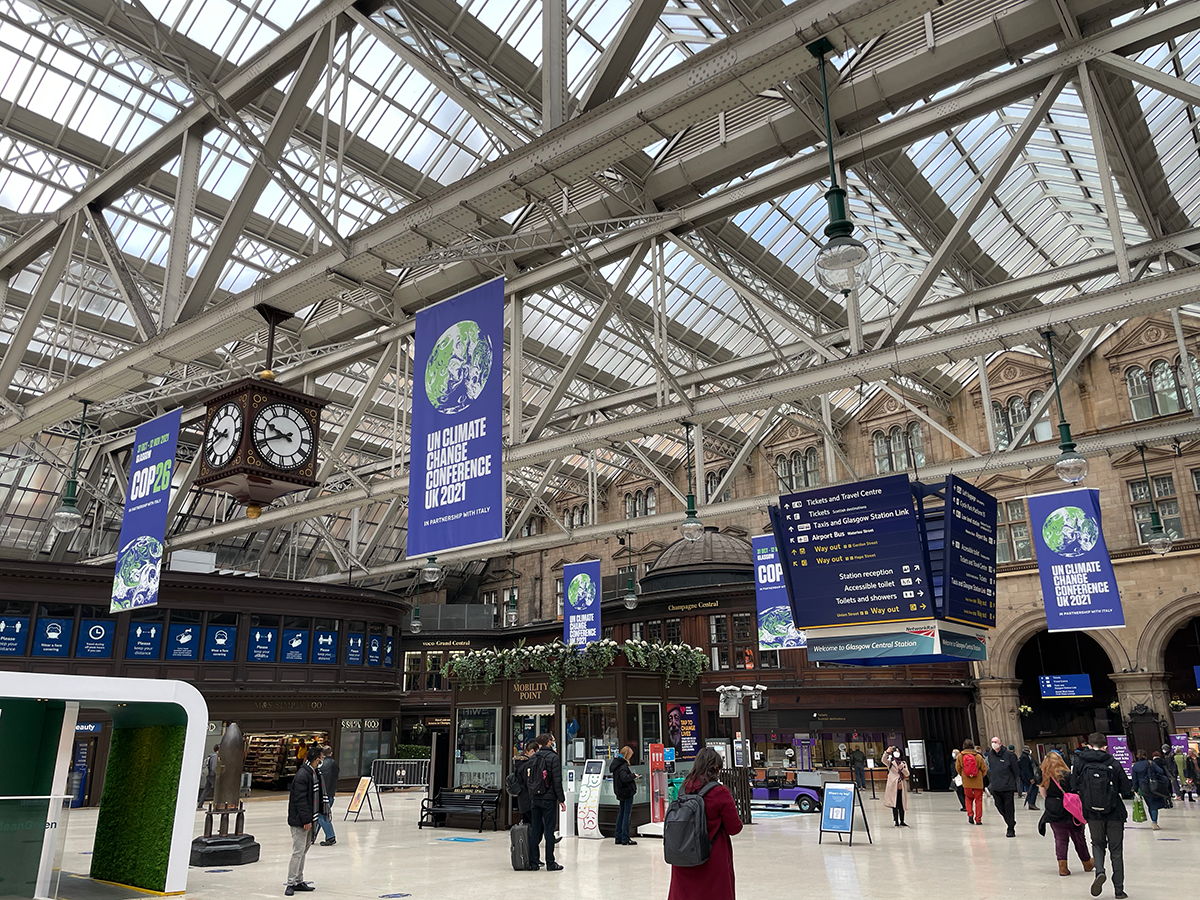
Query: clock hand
{"points": [[280, 434]]}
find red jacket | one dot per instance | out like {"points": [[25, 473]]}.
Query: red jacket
{"points": [[714, 879]]}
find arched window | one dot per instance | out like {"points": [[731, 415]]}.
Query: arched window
{"points": [[797, 470], [583, 515], [710, 486], [639, 503], [630, 509], [1001, 426], [916, 444], [1018, 412], [812, 468], [1183, 381], [883, 459], [725, 494], [529, 529], [1139, 393], [899, 449], [576, 519], [1166, 388], [650, 501], [782, 474], [1042, 429]]}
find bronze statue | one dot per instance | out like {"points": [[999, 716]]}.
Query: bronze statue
{"points": [[225, 849]]}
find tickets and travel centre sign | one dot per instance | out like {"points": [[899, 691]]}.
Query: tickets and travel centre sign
{"points": [[853, 554]]}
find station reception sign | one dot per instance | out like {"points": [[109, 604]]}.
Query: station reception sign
{"points": [[456, 497]]}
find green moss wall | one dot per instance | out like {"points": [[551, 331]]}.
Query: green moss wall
{"points": [[137, 809]]}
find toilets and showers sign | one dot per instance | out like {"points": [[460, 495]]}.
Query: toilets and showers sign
{"points": [[1078, 585], [144, 525], [456, 498]]}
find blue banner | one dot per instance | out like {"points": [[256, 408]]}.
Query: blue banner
{"points": [[456, 498], [95, 639], [14, 632], [262, 645], [183, 642], [145, 640], [969, 579], [354, 649], [52, 637], [219, 643], [853, 554], [581, 603], [139, 557], [888, 645], [374, 650], [775, 628], [1065, 686], [325, 647], [295, 646], [1079, 588]]}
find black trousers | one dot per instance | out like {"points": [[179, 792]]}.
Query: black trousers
{"points": [[962, 795], [898, 809], [543, 820], [1109, 834], [1006, 807]]}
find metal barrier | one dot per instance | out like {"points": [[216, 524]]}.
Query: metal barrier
{"points": [[739, 782], [400, 773]]}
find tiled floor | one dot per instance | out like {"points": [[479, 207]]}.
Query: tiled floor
{"points": [[938, 857]]}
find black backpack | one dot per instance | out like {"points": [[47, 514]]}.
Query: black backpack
{"points": [[1095, 784], [685, 830], [514, 783], [1160, 784], [537, 775]]}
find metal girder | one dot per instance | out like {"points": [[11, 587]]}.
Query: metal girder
{"points": [[179, 249], [1090, 339], [655, 472], [982, 196], [765, 424], [554, 63], [366, 397], [122, 276], [927, 419], [621, 53], [1112, 211]]}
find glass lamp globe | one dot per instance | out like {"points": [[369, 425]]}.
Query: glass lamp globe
{"points": [[631, 600], [843, 265], [415, 625], [66, 518], [430, 571], [1071, 467], [1160, 542], [511, 617], [692, 529]]}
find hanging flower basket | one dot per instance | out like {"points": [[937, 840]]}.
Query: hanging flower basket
{"points": [[1177, 705], [560, 662], [1115, 706], [1025, 711]]}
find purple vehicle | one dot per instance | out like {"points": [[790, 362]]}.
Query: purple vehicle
{"points": [[805, 789]]}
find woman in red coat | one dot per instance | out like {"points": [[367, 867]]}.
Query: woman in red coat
{"points": [[714, 879]]}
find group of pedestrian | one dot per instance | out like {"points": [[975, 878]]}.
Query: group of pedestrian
{"points": [[540, 798], [310, 809]]}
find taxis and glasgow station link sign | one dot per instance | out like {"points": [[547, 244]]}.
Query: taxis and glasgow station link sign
{"points": [[859, 554]]}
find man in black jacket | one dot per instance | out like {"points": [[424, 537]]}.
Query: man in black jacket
{"points": [[1106, 822], [304, 803], [546, 798], [329, 778], [1003, 779]]}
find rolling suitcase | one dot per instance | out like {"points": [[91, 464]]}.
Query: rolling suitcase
{"points": [[519, 836]]}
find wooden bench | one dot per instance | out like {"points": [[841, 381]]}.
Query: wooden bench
{"points": [[485, 801]]}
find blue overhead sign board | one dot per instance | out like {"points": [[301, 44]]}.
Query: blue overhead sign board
{"points": [[969, 582], [139, 557], [457, 496], [581, 603], [183, 642], [219, 643], [295, 646], [1079, 588], [775, 628], [52, 637], [1065, 686], [145, 640], [262, 645], [853, 554], [95, 639], [354, 649], [14, 632], [325, 647], [889, 645]]}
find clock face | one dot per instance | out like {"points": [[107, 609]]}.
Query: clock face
{"points": [[224, 435], [282, 435]]}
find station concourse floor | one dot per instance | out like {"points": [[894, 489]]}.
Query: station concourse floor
{"points": [[939, 857]]}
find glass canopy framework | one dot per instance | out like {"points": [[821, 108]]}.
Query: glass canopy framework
{"points": [[644, 173]]}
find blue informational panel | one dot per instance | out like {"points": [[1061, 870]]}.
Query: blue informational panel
{"points": [[263, 645], [52, 637], [325, 647], [457, 495], [354, 649], [14, 633], [837, 807], [775, 628], [1065, 686], [183, 642], [374, 649], [88, 728], [139, 557], [581, 603], [1079, 588], [387, 653], [853, 554], [145, 640], [887, 645], [220, 641], [295, 646], [1196, 673], [95, 639], [969, 581]]}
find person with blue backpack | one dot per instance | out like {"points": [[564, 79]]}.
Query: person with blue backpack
{"points": [[697, 832]]}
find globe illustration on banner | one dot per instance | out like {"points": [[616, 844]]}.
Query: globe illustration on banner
{"points": [[137, 576], [582, 591], [458, 368], [1069, 531], [775, 628]]}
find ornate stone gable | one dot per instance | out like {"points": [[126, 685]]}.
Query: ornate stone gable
{"points": [[1146, 339], [1012, 373]]}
